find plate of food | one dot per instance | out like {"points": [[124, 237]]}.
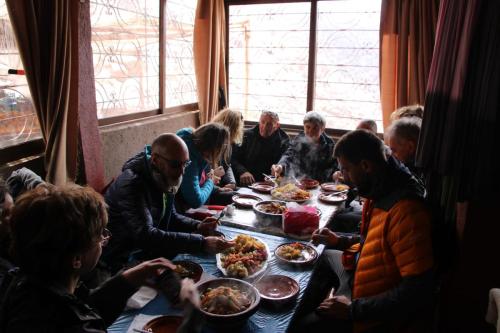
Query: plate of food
{"points": [[270, 211], [188, 269], [263, 187], [245, 200], [333, 187], [308, 183], [332, 198], [296, 253], [290, 192], [247, 259]]}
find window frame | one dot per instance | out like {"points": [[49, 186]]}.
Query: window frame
{"points": [[311, 69], [162, 110]]}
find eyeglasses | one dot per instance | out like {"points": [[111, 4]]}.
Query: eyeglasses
{"points": [[106, 235], [176, 164]]}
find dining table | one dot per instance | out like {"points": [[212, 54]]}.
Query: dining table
{"points": [[266, 319]]}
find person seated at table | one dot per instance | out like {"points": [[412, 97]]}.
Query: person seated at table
{"points": [[57, 237], [262, 146], [207, 145], [223, 192], [393, 275], [310, 153], [142, 216], [368, 124], [402, 137]]}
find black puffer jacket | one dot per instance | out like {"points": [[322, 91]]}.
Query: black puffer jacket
{"points": [[140, 220], [35, 307], [256, 154], [304, 159]]}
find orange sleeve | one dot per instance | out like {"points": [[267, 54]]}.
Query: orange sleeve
{"points": [[409, 237]]}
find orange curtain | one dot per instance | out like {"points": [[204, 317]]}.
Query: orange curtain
{"points": [[43, 35], [407, 31], [209, 56]]}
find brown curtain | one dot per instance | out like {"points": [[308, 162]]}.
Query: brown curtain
{"points": [[43, 35], [407, 31], [209, 56]]}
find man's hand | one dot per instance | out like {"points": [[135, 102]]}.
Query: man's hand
{"points": [[247, 178], [215, 245], [230, 186], [338, 176], [147, 271], [325, 236], [276, 170], [338, 307], [207, 226]]}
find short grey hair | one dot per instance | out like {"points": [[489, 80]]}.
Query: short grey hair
{"points": [[369, 123], [271, 114], [315, 118], [405, 128]]}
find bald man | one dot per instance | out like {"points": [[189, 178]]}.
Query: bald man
{"points": [[142, 217]]}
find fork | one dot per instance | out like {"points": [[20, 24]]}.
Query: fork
{"points": [[221, 215]]}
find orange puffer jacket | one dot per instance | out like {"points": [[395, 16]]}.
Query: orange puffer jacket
{"points": [[397, 244]]}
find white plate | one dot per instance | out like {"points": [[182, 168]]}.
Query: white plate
{"points": [[262, 268], [273, 194]]}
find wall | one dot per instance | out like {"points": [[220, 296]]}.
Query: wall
{"points": [[122, 141]]}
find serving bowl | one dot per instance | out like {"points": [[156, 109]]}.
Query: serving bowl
{"points": [[163, 324], [190, 270], [245, 200], [268, 218], [235, 319], [278, 290]]}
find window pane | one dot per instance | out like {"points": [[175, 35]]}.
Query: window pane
{"points": [[18, 121], [180, 82], [268, 56], [347, 64], [125, 46]]}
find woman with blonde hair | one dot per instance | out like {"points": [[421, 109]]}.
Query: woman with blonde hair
{"points": [[233, 120]]}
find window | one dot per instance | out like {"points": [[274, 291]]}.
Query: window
{"points": [[180, 82], [269, 60], [18, 120], [125, 46]]}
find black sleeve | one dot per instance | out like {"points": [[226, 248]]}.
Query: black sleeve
{"points": [[182, 223], [147, 236], [288, 156], [412, 294], [237, 157], [110, 298], [346, 242], [228, 177]]}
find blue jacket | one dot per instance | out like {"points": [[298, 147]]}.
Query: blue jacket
{"points": [[143, 220], [191, 191]]}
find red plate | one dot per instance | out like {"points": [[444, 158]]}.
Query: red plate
{"points": [[263, 187], [308, 183], [245, 200]]}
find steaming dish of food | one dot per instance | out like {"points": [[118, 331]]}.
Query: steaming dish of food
{"points": [[332, 187], [245, 258], [272, 208], [292, 251], [224, 301], [291, 192]]}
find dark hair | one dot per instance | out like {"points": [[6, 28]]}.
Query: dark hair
{"points": [[212, 138], [360, 145], [50, 225], [4, 190]]}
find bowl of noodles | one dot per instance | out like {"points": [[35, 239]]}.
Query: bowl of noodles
{"points": [[227, 302]]}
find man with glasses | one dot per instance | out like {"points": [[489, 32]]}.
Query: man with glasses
{"points": [[142, 217]]}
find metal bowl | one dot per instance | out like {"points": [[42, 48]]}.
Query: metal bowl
{"points": [[278, 290], [268, 218], [234, 319]]}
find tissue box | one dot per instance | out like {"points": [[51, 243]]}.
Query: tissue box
{"points": [[300, 220]]}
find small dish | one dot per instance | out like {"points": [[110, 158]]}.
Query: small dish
{"points": [[163, 324], [296, 253], [308, 183], [188, 269], [332, 198], [278, 290], [263, 187], [245, 200], [333, 187]]}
